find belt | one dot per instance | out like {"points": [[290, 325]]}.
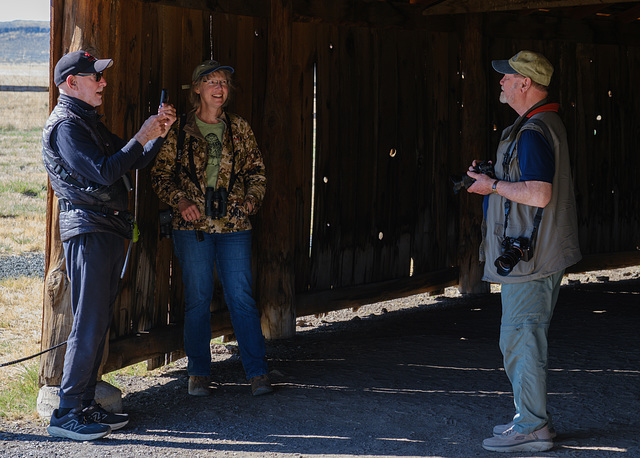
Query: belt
{"points": [[66, 206]]}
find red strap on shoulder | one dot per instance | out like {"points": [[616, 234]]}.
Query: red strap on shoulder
{"points": [[546, 107]]}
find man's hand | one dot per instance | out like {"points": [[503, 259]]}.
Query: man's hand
{"points": [[156, 125], [532, 193], [483, 183], [188, 210], [169, 113]]}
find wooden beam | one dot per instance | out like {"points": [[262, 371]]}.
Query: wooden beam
{"points": [[630, 15], [512, 26], [343, 12], [606, 261], [336, 299], [367, 14], [157, 342], [234, 7], [487, 6], [583, 12]]}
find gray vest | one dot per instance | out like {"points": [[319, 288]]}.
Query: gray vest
{"points": [[556, 246]]}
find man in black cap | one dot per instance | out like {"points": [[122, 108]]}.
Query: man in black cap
{"points": [[530, 233], [88, 169]]}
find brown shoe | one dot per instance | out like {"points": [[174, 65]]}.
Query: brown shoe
{"points": [[260, 385], [198, 385]]}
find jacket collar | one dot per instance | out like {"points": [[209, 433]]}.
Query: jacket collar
{"points": [[79, 107], [191, 127]]}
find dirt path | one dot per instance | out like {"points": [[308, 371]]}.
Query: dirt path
{"points": [[418, 377]]}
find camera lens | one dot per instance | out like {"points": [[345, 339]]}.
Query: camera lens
{"points": [[505, 263]]}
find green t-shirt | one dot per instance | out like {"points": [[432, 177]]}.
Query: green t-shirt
{"points": [[213, 133]]}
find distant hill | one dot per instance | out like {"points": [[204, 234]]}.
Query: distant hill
{"points": [[24, 42]]}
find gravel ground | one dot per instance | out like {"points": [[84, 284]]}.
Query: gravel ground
{"points": [[421, 376], [22, 266]]}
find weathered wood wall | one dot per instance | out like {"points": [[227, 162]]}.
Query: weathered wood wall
{"points": [[595, 63], [152, 47], [397, 110]]}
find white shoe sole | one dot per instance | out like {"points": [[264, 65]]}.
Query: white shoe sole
{"points": [[499, 429], [116, 426], [56, 431], [534, 446]]}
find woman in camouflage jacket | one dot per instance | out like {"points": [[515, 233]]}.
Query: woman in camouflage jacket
{"points": [[217, 182]]}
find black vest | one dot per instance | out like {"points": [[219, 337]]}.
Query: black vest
{"points": [[86, 206]]}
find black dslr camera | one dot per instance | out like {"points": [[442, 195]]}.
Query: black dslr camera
{"points": [[215, 203], [164, 218], [465, 181], [513, 251]]}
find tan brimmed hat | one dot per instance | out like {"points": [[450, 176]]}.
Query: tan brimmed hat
{"points": [[528, 64]]}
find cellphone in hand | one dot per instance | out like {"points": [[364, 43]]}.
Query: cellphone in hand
{"points": [[164, 96]]}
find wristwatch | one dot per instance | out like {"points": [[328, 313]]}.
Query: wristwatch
{"points": [[494, 188]]}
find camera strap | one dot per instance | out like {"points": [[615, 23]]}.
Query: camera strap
{"points": [[180, 150], [506, 163], [536, 221], [232, 179], [524, 120], [192, 167]]}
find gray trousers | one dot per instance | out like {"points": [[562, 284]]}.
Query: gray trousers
{"points": [[527, 309], [94, 264]]}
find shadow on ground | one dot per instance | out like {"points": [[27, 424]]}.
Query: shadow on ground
{"points": [[426, 381]]}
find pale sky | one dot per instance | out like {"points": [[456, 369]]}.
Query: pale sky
{"points": [[26, 10]]}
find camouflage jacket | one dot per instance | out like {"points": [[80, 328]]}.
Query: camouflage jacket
{"points": [[249, 168]]}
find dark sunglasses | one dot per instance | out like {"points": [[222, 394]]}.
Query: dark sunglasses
{"points": [[97, 76]]}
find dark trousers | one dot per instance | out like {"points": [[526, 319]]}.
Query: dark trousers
{"points": [[94, 264]]}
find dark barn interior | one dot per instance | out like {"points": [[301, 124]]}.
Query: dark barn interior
{"points": [[363, 110]]}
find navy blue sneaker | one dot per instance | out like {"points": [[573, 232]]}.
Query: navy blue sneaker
{"points": [[75, 425], [99, 415]]}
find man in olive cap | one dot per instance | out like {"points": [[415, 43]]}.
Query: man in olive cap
{"points": [[88, 168], [530, 236]]}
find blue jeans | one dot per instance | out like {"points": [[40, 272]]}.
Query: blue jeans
{"points": [[527, 309], [230, 254]]}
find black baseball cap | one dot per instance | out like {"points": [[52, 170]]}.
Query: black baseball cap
{"points": [[78, 62]]}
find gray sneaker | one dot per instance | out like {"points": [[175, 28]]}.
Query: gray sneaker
{"points": [[499, 429], [198, 385], [100, 415], [513, 441]]}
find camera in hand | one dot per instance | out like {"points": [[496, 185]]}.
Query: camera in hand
{"points": [[164, 218], [465, 181], [514, 250], [215, 203]]}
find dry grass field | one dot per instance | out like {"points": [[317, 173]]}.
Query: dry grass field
{"points": [[24, 110], [23, 183]]}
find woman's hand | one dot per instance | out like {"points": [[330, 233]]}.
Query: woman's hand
{"points": [[188, 210], [250, 205]]}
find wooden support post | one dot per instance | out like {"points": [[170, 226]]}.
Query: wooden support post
{"points": [[473, 146], [56, 317], [275, 235]]}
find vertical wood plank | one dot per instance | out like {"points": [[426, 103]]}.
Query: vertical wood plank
{"points": [[276, 235], [302, 125], [474, 131]]}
